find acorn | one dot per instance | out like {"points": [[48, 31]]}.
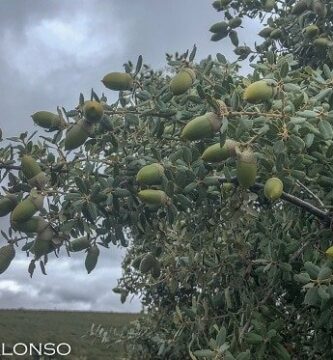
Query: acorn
{"points": [[275, 34], [299, 7], [329, 252], [118, 81], [311, 31], [246, 168], [273, 188], [27, 208], [182, 81], [259, 91], [48, 120], [93, 111], [150, 174], [322, 43], [79, 244], [153, 197], [216, 153], [235, 22], [147, 263], [33, 172], [7, 204], [265, 32], [91, 258], [34, 224], [202, 127], [7, 254], [30, 167], [43, 243], [269, 5], [77, 134]]}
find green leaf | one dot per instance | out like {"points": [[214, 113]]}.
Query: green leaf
{"points": [[234, 37], [204, 353], [325, 129]]}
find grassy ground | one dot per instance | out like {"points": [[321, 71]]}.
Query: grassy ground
{"points": [[60, 326]]}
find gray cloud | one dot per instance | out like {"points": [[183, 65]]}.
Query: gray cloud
{"points": [[52, 50]]}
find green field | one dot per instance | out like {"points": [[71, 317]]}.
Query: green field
{"points": [[29, 326]]}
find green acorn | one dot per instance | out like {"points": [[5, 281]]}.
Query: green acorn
{"points": [[77, 134], [299, 7], [7, 204], [7, 254], [216, 153], [30, 167], [48, 120], [91, 258], [182, 81], [153, 197], [79, 244], [329, 252], [150, 174], [147, 262], [322, 43], [34, 224], [311, 31], [93, 111], [43, 243], [269, 5], [202, 127], [276, 34], [33, 172], [235, 22], [118, 81], [265, 32], [259, 91], [27, 208], [273, 188], [246, 168]]}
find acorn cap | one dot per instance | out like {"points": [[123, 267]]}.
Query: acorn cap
{"points": [[93, 111], [7, 254], [299, 7], [150, 174], [43, 243], [182, 81], [246, 168], [153, 197], [37, 199], [202, 127], [30, 167], [118, 81], [39, 181]]}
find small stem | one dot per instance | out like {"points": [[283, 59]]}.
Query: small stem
{"points": [[311, 193]]}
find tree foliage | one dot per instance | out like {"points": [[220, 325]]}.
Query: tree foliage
{"points": [[227, 265]]}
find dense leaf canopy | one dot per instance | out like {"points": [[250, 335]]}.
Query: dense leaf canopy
{"points": [[226, 264]]}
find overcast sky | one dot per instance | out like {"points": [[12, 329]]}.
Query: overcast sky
{"points": [[50, 51]]}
